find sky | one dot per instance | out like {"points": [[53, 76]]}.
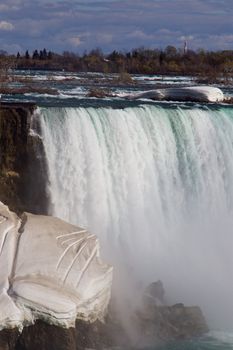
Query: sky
{"points": [[79, 25]]}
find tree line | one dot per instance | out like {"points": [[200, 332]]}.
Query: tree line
{"points": [[137, 61]]}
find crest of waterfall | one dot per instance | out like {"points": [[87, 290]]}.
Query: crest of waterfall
{"points": [[156, 185]]}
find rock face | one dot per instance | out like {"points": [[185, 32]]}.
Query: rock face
{"points": [[50, 270], [42, 336], [156, 320], [192, 94], [23, 170], [154, 294], [171, 323]]}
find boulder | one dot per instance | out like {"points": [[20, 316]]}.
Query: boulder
{"points": [[154, 294], [156, 321]]}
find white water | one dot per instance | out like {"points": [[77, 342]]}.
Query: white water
{"points": [[156, 185]]}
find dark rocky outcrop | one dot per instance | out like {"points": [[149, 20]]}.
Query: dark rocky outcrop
{"points": [[99, 93], [152, 326], [43, 336], [171, 323], [22, 165], [8, 339], [47, 337], [157, 320]]}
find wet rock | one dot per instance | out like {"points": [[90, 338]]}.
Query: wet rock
{"points": [[154, 294], [8, 339], [43, 336], [47, 337], [23, 171], [164, 322], [99, 93]]}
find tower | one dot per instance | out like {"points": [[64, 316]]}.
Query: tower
{"points": [[185, 47]]}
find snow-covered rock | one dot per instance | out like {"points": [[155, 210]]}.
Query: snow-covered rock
{"points": [[49, 270], [193, 93]]}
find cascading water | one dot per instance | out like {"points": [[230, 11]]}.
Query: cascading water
{"points": [[156, 185]]}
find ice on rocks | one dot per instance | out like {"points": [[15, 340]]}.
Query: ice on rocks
{"points": [[193, 93], [51, 270]]}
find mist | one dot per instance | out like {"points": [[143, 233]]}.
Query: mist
{"points": [[155, 185]]}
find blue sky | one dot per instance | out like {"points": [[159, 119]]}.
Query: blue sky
{"points": [[78, 25]]}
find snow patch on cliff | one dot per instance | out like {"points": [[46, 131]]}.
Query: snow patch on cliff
{"points": [[50, 270]]}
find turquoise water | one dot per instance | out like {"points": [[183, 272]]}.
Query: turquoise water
{"points": [[202, 344], [223, 341]]}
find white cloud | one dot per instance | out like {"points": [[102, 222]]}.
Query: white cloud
{"points": [[75, 41], [186, 37], [79, 39], [7, 26], [139, 34]]}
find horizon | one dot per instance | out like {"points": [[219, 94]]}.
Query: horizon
{"points": [[180, 50]]}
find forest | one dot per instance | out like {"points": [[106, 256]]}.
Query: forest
{"points": [[173, 61]]}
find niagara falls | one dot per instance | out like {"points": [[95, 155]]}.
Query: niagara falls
{"points": [[161, 180], [116, 175]]}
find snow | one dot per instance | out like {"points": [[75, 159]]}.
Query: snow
{"points": [[191, 93], [51, 270]]}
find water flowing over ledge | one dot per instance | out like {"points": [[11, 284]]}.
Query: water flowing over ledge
{"points": [[155, 184]]}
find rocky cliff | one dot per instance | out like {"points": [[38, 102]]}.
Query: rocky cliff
{"points": [[22, 165]]}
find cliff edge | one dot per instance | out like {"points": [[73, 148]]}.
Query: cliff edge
{"points": [[22, 163]]}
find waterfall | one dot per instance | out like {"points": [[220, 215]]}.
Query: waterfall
{"points": [[155, 183]]}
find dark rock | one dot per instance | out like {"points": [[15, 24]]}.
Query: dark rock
{"points": [[43, 336], [47, 337], [8, 339], [172, 322], [228, 100], [22, 162], [156, 324], [99, 93], [154, 294], [92, 335]]}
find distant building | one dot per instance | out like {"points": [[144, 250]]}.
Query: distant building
{"points": [[185, 47]]}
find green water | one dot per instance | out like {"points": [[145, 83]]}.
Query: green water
{"points": [[207, 343]]}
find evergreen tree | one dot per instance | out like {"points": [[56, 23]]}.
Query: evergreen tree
{"points": [[27, 56], [44, 54], [35, 55], [50, 55]]}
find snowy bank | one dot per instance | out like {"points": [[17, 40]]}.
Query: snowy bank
{"points": [[50, 270]]}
